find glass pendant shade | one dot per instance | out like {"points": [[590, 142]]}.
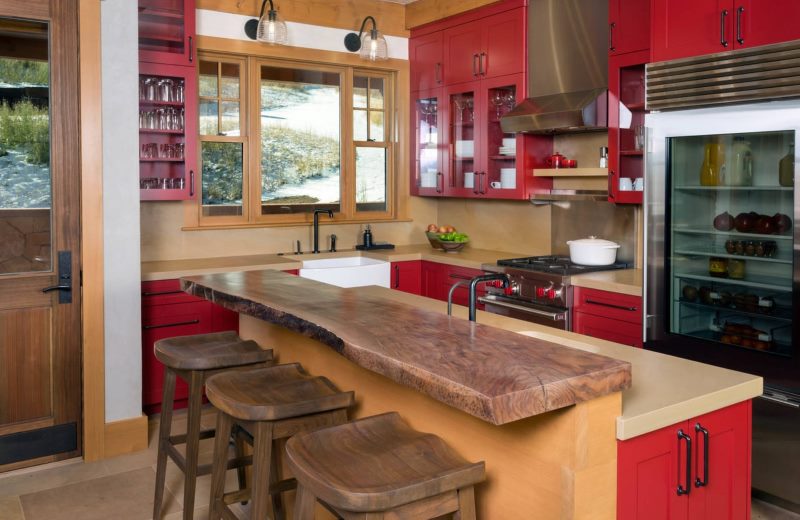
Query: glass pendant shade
{"points": [[272, 30], [373, 46]]}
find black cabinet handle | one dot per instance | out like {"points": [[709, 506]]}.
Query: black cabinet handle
{"points": [[160, 293], [722, 40], [685, 490], [482, 64], [700, 483], [610, 184], [459, 277], [438, 73], [191, 50], [483, 183], [191, 183], [439, 178], [739, 37], [396, 276], [474, 65], [611, 305], [177, 324], [611, 27]]}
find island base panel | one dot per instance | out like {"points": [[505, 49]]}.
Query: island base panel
{"points": [[561, 464]]}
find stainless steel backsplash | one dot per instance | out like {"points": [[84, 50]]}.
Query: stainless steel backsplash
{"points": [[580, 219]]}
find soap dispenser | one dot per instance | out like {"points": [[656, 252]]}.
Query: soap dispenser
{"points": [[367, 238]]}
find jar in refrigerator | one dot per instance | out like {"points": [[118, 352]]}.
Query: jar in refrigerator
{"points": [[741, 170], [712, 171], [718, 267], [736, 269], [786, 168]]}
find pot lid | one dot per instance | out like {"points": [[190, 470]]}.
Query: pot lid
{"points": [[593, 241]]}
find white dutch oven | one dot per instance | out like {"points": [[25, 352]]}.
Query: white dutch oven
{"points": [[592, 251]]}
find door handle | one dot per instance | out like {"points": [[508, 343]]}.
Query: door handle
{"points": [[165, 325], [191, 183], [396, 276], [700, 483], [722, 40], [611, 36], [64, 285], [482, 64], [191, 50], [685, 490], [439, 178], [739, 37], [483, 183], [474, 67], [611, 305], [438, 73]]}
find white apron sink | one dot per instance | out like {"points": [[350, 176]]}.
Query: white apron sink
{"points": [[349, 271]]}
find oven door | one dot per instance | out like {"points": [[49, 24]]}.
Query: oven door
{"points": [[556, 317]]}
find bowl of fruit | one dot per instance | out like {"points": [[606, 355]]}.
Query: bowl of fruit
{"points": [[446, 238]]}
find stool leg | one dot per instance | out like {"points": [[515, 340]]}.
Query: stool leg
{"points": [[164, 430], [274, 478], [466, 504], [304, 504], [192, 442], [241, 471], [224, 424], [262, 463]]}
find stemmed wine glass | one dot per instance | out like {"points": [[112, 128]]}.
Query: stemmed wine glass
{"points": [[428, 109], [468, 104], [498, 99], [460, 104], [509, 99]]}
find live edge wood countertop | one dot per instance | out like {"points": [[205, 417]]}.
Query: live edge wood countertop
{"points": [[490, 373]]}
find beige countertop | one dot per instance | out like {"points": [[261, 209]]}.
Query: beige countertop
{"points": [[625, 281], [665, 389], [169, 269]]}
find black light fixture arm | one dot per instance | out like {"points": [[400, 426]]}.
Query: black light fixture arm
{"points": [[271, 9], [364, 23], [251, 26], [352, 41]]}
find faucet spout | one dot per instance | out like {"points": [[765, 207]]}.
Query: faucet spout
{"points": [[316, 226], [473, 287]]}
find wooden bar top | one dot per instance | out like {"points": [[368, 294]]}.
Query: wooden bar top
{"points": [[490, 373]]}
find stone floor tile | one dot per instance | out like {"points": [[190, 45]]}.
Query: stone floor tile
{"points": [[11, 509], [60, 474]]}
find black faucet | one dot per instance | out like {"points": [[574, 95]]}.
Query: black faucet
{"points": [[316, 226], [473, 286], [333, 244]]}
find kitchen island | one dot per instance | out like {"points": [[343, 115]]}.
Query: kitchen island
{"points": [[557, 464]]}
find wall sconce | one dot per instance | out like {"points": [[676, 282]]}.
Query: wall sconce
{"points": [[372, 44], [269, 28]]}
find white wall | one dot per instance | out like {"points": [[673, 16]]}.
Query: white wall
{"points": [[121, 240]]}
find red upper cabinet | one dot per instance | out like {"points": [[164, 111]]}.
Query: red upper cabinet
{"points": [[485, 48], [167, 31], [426, 60], [429, 168], [628, 26], [683, 28]]}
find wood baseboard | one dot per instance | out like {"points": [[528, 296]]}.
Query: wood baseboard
{"points": [[126, 436]]}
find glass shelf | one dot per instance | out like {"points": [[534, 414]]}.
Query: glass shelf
{"points": [[735, 257], [765, 282], [706, 231], [778, 314], [734, 188]]}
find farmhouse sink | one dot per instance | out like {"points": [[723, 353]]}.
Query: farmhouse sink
{"points": [[348, 271]]}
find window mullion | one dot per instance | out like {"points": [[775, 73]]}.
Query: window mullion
{"points": [[347, 188]]}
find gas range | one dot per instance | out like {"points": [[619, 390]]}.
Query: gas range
{"points": [[539, 290]]}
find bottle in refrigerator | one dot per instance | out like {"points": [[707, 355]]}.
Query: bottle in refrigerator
{"points": [[741, 170], [712, 171], [786, 168]]}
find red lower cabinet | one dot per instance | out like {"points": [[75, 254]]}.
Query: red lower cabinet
{"points": [[407, 276], [168, 312], [693, 470], [608, 315]]}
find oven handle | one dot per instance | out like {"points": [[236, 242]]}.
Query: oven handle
{"points": [[555, 316]]}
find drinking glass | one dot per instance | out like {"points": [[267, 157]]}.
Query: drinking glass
{"points": [[638, 137], [178, 91], [460, 104], [165, 90], [150, 89], [498, 100]]}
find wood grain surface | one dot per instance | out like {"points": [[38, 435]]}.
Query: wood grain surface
{"points": [[492, 374]]}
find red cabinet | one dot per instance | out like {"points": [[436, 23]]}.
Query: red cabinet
{"points": [[683, 28], [167, 31], [429, 167], [628, 26], [607, 315], [168, 312], [431, 284], [407, 276], [707, 458], [426, 61]]}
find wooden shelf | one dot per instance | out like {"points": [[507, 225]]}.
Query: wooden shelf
{"points": [[634, 106], [161, 38], [155, 131], [570, 172], [503, 157], [147, 103], [632, 153], [160, 159]]}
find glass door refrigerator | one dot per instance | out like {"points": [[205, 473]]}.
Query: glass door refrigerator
{"points": [[723, 273]]}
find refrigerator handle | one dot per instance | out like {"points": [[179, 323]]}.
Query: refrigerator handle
{"points": [[776, 397]]}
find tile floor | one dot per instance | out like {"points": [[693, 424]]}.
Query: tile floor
{"points": [[122, 488]]}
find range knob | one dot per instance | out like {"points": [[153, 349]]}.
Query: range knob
{"points": [[512, 289], [540, 292], [551, 294]]}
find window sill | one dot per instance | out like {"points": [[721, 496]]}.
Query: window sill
{"points": [[293, 224]]}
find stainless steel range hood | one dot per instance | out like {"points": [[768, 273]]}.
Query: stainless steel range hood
{"points": [[567, 69]]}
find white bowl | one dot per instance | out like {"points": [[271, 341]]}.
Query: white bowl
{"points": [[592, 251]]}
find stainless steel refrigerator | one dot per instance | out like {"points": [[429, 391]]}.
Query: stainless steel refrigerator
{"points": [[722, 247]]}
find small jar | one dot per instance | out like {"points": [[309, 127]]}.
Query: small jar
{"points": [[736, 269], [718, 267]]}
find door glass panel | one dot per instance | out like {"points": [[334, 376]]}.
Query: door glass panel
{"points": [[501, 147], [731, 206], [25, 182], [426, 127], [462, 138]]}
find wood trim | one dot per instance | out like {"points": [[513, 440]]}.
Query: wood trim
{"points": [[92, 232], [125, 436], [427, 11], [25, 9], [343, 14]]}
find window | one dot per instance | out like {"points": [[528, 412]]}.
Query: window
{"points": [[317, 137]]}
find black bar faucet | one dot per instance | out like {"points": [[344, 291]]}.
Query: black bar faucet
{"points": [[316, 226], [473, 286]]}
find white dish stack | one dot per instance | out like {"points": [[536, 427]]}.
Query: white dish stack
{"points": [[509, 146], [465, 149]]}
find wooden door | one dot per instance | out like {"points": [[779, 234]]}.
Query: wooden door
{"points": [[762, 23], [462, 49], [504, 46], [683, 28], [425, 57], [40, 342]]}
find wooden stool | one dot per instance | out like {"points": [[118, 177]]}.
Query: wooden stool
{"points": [[380, 466], [195, 358], [271, 404]]}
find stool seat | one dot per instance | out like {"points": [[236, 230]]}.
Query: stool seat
{"points": [[376, 464], [211, 351], [274, 393]]}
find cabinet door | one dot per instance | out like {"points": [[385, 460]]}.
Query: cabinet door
{"points": [[502, 162], [430, 168], [432, 280], [167, 31], [504, 49], [407, 276], [606, 328], [452, 275], [649, 470], [607, 304], [462, 47], [628, 26], [464, 141], [757, 22], [425, 56], [684, 28], [722, 488]]}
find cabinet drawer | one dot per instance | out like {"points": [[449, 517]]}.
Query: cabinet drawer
{"points": [[609, 329], [165, 292], [623, 307]]}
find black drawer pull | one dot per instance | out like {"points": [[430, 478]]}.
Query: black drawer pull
{"points": [[697, 481], [161, 293], [686, 490], [178, 324], [603, 304], [459, 276]]}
